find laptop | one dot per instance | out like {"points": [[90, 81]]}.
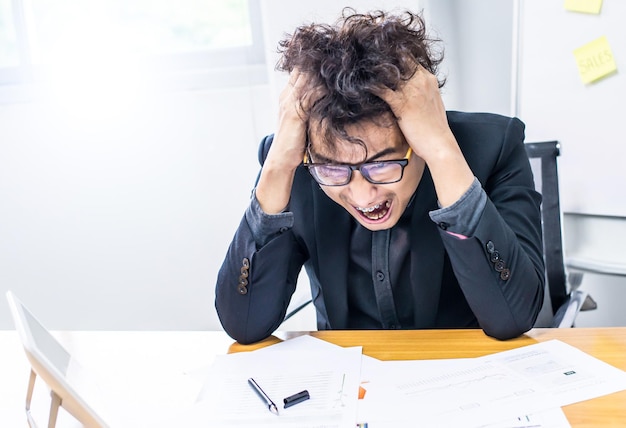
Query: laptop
{"points": [[90, 402], [72, 387]]}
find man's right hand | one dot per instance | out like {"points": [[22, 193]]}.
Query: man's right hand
{"points": [[287, 151]]}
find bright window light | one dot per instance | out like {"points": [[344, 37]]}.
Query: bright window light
{"points": [[197, 43], [62, 28], [9, 51]]}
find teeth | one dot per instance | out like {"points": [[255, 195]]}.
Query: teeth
{"points": [[368, 210]]}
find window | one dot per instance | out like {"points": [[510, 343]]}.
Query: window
{"points": [[9, 55], [40, 38]]}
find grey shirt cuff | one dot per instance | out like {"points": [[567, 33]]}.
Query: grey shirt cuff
{"points": [[266, 226], [462, 217]]}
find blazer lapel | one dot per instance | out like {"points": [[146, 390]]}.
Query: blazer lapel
{"points": [[427, 255], [333, 225]]}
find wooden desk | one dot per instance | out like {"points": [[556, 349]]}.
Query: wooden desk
{"points": [[606, 344], [136, 356]]}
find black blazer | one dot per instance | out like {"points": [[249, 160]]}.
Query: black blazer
{"points": [[493, 280]]}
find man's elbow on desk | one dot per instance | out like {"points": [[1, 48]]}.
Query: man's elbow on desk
{"points": [[508, 330], [239, 333], [245, 333], [505, 334]]}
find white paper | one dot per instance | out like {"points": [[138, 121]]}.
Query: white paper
{"points": [[565, 372], [552, 418], [444, 393], [331, 377], [533, 381]]}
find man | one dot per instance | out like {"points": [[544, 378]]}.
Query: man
{"points": [[405, 216]]}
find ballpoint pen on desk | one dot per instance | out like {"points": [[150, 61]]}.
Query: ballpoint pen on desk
{"points": [[263, 396]]}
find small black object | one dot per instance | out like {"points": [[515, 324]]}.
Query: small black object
{"points": [[296, 398]]}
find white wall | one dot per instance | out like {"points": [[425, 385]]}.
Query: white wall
{"points": [[122, 223], [477, 37]]}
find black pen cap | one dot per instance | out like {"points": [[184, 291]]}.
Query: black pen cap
{"points": [[296, 398]]}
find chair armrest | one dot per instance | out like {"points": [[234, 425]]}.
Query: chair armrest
{"points": [[596, 266], [566, 315]]}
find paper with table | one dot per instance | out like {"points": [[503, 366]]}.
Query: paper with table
{"points": [[495, 390], [518, 388], [381, 415], [331, 377]]}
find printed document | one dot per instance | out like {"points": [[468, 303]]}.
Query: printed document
{"points": [[331, 377], [534, 380]]}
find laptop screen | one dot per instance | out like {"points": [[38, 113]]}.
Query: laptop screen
{"points": [[63, 374], [49, 346]]}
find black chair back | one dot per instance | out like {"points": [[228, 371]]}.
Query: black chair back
{"points": [[547, 153]]}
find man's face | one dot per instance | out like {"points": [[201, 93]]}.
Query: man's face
{"points": [[375, 206]]}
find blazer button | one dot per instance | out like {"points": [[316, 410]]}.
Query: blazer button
{"points": [[245, 263], [242, 289], [380, 276], [444, 226], [499, 266], [505, 274], [243, 281], [244, 272], [490, 247], [495, 256]]}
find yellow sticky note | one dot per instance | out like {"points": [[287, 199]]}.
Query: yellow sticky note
{"points": [[584, 6], [595, 60]]}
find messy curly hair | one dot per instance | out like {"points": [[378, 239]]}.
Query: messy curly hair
{"points": [[348, 62]]}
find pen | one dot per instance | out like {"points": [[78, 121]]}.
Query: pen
{"points": [[263, 396]]}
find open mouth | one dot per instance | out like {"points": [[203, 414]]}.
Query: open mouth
{"points": [[375, 212]]}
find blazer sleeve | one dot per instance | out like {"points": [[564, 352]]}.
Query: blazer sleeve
{"points": [[500, 268], [256, 281]]}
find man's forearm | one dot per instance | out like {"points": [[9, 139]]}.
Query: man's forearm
{"points": [[274, 188]]}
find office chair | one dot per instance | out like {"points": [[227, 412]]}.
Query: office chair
{"points": [[563, 298]]}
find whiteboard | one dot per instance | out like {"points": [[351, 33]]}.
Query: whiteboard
{"points": [[588, 119]]}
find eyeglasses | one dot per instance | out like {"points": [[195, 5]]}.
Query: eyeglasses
{"points": [[376, 172]]}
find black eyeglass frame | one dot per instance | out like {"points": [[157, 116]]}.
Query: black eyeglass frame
{"points": [[402, 162]]}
